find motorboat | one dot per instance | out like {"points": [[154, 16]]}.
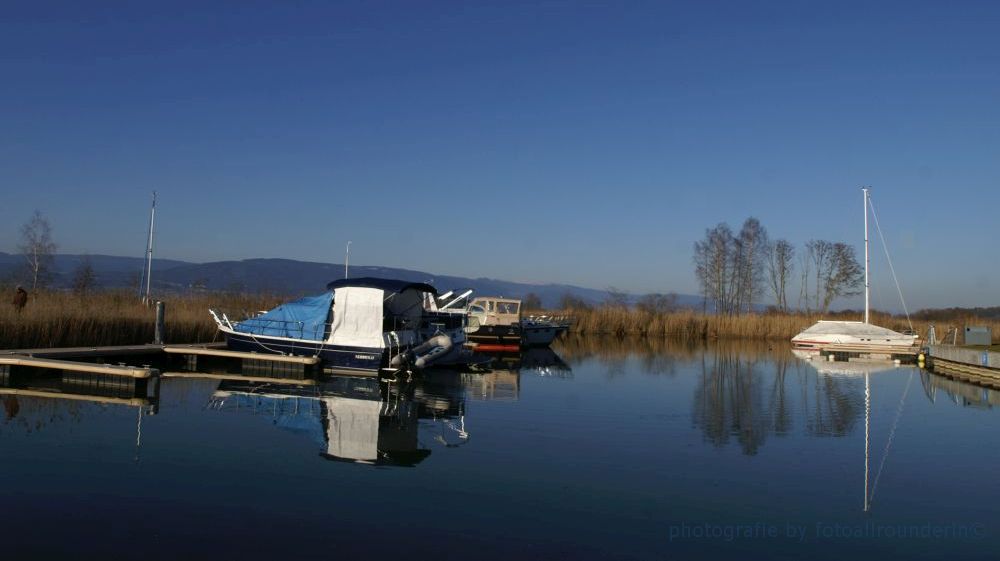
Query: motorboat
{"points": [[496, 324], [358, 325]]}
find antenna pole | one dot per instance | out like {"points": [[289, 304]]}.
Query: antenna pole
{"points": [[149, 251], [864, 190], [347, 258]]}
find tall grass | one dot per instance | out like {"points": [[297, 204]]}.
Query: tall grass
{"points": [[693, 325], [65, 319]]}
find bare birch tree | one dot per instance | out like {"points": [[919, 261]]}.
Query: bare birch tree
{"points": [[780, 260], [820, 252], [38, 249], [805, 261], [752, 243], [712, 259]]}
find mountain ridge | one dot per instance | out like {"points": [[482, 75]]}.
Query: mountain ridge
{"points": [[287, 276]]}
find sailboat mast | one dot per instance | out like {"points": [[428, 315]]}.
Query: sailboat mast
{"points": [[864, 191], [149, 251]]}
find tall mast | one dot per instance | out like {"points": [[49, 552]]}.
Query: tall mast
{"points": [[347, 258], [864, 191], [149, 250]]}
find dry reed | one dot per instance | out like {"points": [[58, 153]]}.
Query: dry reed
{"points": [[65, 319], [693, 325], [61, 319]]}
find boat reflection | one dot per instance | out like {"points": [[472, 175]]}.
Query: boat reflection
{"points": [[536, 361], [352, 419]]}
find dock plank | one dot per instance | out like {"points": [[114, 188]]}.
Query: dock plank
{"points": [[107, 369], [201, 351]]}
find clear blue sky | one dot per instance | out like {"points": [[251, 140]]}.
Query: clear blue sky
{"points": [[552, 141]]}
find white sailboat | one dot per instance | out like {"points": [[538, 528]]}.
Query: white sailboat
{"points": [[860, 335]]}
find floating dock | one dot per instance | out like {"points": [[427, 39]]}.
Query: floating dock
{"points": [[971, 365], [845, 353], [87, 364]]}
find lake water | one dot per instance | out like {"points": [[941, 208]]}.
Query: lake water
{"points": [[603, 449]]}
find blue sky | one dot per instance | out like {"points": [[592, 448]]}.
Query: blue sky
{"points": [[587, 143]]}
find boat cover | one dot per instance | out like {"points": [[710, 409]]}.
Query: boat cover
{"points": [[850, 329], [357, 318], [305, 318]]}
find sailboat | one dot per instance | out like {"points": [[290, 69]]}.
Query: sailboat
{"points": [[860, 337]]}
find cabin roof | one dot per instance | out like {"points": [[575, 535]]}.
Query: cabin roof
{"points": [[388, 285]]}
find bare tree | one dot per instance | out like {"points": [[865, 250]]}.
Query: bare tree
{"points": [[820, 252], [655, 304], [751, 247], [843, 275], [780, 261], [83, 276], [837, 272], [532, 302], [805, 260], [38, 249], [572, 302], [730, 269], [616, 298], [713, 262]]}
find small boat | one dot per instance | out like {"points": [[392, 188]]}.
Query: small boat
{"points": [[855, 337], [495, 324], [360, 325]]}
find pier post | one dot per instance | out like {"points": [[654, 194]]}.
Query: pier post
{"points": [[160, 329]]}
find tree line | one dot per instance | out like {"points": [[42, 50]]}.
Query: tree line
{"points": [[735, 269]]}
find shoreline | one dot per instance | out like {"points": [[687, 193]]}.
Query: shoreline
{"points": [[115, 317]]}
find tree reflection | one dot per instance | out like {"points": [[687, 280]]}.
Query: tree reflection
{"points": [[745, 394], [728, 401], [837, 403]]}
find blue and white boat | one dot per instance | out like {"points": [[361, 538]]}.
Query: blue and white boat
{"points": [[360, 325]]}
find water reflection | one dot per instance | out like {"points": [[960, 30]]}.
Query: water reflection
{"points": [[729, 401], [747, 395], [33, 399], [960, 393], [351, 419]]}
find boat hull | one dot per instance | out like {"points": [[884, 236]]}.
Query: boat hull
{"points": [[515, 335], [335, 357]]}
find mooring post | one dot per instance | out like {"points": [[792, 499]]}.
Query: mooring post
{"points": [[160, 329]]}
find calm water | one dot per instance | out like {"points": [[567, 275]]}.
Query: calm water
{"points": [[606, 450]]}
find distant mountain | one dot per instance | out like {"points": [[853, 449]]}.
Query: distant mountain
{"points": [[287, 276], [110, 271]]}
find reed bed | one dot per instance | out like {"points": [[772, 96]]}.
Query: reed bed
{"points": [[114, 317], [694, 325], [66, 319]]}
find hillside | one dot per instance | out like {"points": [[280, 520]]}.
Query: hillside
{"points": [[285, 276]]}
